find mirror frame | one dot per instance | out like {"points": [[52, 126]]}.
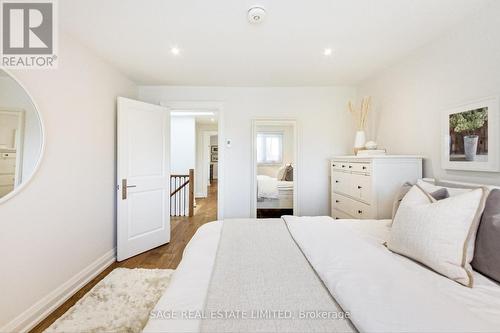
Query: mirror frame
{"points": [[23, 185]]}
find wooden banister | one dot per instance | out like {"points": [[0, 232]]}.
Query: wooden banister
{"points": [[191, 192], [178, 194], [180, 187]]}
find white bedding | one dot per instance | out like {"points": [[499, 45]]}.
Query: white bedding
{"points": [[285, 185], [267, 187], [383, 291], [271, 188]]}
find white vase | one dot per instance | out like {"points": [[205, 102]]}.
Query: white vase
{"points": [[359, 141], [470, 147]]}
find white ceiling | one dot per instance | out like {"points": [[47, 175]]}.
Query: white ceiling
{"points": [[219, 47]]}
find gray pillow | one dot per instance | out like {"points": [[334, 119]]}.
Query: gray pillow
{"points": [[288, 174], [438, 195], [487, 249]]}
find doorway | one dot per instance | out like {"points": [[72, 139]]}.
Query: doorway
{"points": [[203, 154], [274, 151]]}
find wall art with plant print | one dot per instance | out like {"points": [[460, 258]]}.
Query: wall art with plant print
{"points": [[471, 137]]}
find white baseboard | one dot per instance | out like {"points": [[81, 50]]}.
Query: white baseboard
{"points": [[200, 195], [41, 309]]}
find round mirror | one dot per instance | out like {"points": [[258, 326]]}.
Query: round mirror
{"points": [[21, 136]]}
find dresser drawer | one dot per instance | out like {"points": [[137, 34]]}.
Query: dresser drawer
{"points": [[342, 203], [360, 167], [340, 166], [7, 180], [362, 211], [337, 165], [351, 207], [340, 181], [338, 215], [7, 165], [359, 187]]}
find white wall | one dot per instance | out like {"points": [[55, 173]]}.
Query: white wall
{"points": [[182, 145], [323, 124], [13, 96], [461, 66], [65, 219], [182, 152]]}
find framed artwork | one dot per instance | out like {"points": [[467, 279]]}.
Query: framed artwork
{"points": [[470, 136], [214, 154]]}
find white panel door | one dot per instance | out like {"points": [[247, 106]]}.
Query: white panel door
{"points": [[143, 172]]}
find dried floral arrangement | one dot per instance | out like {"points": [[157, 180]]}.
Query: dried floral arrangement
{"points": [[361, 115]]}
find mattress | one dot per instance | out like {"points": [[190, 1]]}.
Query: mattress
{"points": [[284, 185], [372, 292]]}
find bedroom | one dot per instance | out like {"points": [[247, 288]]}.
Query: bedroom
{"points": [[303, 62]]}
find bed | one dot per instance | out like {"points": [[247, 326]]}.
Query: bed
{"points": [[273, 193], [238, 266]]}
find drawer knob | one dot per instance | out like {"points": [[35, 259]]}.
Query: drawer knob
{"points": [[334, 165], [337, 201], [360, 212], [359, 187], [364, 168], [343, 166], [336, 181], [350, 166]]}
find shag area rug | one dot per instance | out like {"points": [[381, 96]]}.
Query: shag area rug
{"points": [[121, 302]]}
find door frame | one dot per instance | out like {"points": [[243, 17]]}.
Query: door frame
{"points": [[277, 121], [218, 109]]}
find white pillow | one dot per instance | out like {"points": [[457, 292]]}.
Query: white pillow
{"points": [[281, 172], [438, 233]]}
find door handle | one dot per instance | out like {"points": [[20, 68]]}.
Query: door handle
{"points": [[125, 187]]}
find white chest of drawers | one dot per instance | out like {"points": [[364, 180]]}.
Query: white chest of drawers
{"points": [[365, 187], [7, 172]]}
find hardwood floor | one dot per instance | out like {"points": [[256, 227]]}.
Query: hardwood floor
{"points": [[166, 256]]}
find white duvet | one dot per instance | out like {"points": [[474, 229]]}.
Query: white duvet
{"points": [[384, 292], [267, 187]]}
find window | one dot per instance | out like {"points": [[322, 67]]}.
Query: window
{"points": [[269, 148]]}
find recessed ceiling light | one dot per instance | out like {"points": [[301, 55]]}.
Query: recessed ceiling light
{"points": [[212, 119], [328, 52], [175, 50]]}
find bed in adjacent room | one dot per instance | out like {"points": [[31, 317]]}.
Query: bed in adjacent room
{"points": [[317, 274], [273, 193]]}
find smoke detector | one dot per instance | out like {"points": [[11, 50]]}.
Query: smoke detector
{"points": [[256, 15]]}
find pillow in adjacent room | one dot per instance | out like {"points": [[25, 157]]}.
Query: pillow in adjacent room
{"points": [[438, 194], [288, 176], [281, 172], [487, 249], [438, 233]]}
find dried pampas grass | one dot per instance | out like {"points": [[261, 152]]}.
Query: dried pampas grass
{"points": [[361, 116]]}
